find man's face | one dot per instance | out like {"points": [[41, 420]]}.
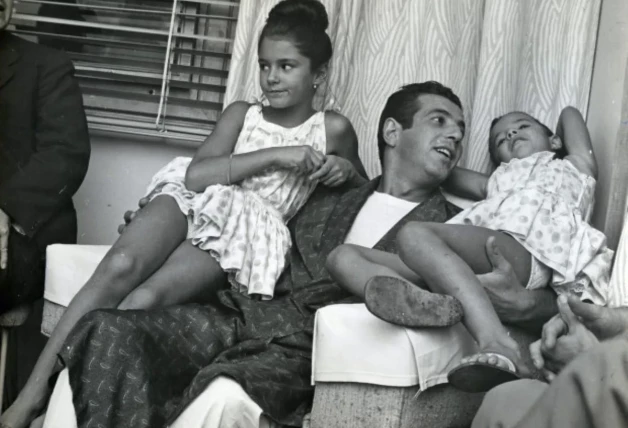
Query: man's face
{"points": [[433, 143], [6, 10]]}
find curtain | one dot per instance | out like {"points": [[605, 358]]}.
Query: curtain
{"points": [[497, 55]]}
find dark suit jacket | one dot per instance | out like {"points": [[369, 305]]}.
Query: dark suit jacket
{"points": [[44, 145]]}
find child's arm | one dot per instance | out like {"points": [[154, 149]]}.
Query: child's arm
{"points": [[467, 183], [342, 165], [214, 164], [573, 132]]}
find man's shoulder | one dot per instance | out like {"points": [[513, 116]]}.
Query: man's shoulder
{"points": [[35, 53]]}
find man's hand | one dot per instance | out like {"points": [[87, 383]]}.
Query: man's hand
{"points": [[335, 171], [502, 285], [130, 215], [564, 338], [515, 304], [5, 228]]}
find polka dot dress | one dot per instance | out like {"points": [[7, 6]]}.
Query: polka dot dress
{"points": [[545, 204], [244, 226]]}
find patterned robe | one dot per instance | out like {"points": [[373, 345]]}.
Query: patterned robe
{"points": [[141, 368]]}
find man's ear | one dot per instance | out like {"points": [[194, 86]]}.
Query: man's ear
{"points": [[391, 132], [555, 142]]}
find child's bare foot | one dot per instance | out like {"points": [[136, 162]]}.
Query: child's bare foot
{"points": [[495, 364], [399, 302]]}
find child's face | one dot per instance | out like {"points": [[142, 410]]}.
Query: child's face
{"points": [[285, 75], [517, 136]]}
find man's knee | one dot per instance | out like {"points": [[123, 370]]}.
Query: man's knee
{"points": [[497, 409], [413, 234], [341, 257]]}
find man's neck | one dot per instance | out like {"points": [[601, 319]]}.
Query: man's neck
{"points": [[409, 191]]}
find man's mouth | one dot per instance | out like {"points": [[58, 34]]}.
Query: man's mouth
{"points": [[445, 152]]}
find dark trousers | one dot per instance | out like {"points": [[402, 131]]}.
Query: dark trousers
{"points": [[23, 279]]}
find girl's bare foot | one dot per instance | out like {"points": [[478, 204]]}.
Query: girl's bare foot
{"points": [[24, 410], [496, 363]]}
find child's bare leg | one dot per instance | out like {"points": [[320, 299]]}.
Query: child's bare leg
{"points": [[448, 257], [190, 275], [352, 266], [371, 274], [143, 247]]}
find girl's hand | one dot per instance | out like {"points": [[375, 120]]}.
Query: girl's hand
{"points": [[334, 172], [302, 158]]}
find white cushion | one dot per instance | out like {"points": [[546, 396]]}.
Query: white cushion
{"points": [[352, 345], [68, 267]]}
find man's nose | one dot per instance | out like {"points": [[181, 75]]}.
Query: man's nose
{"points": [[455, 133]]}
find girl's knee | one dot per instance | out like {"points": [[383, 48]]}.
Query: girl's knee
{"points": [[121, 264], [141, 298]]}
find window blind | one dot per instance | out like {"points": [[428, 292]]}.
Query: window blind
{"points": [[146, 67]]}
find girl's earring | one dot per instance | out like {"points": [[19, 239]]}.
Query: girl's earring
{"points": [[315, 86]]}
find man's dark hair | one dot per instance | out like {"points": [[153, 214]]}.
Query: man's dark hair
{"points": [[491, 147], [403, 105]]}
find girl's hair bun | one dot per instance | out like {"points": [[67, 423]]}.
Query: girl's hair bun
{"points": [[307, 13], [303, 22]]}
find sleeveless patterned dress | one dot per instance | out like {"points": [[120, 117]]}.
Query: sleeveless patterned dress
{"points": [[243, 226], [545, 203]]}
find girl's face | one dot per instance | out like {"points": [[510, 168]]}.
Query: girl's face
{"points": [[285, 75], [518, 135]]}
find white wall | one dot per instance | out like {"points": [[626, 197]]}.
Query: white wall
{"points": [[119, 171], [607, 89]]}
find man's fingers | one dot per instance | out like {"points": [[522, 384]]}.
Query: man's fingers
{"points": [[495, 256], [588, 312], [549, 376], [121, 228], [321, 172], [553, 329], [536, 354], [143, 202], [129, 216], [566, 313]]}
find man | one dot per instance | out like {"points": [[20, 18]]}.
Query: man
{"points": [[591, 388], [245, 357], [44, 154]]}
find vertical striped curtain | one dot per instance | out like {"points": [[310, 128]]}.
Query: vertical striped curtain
{"points": [[497, 56]]}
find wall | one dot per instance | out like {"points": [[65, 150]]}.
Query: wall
{"points": [[607, 91], [119, 171]]}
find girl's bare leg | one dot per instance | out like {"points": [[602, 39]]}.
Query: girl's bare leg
{"points": [[448, 257], [190, 275], [143, 247], [352, 266]]}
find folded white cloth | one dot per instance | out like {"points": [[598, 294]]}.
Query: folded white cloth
{"points": [[352, 345]]}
